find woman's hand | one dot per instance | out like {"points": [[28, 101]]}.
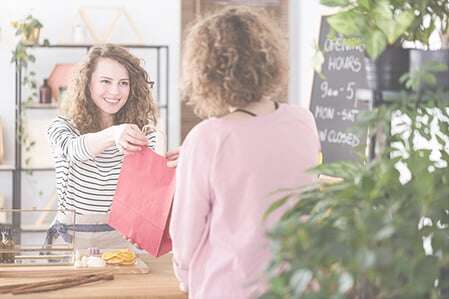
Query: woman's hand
{"points": [[128, 138], [172, 157]]}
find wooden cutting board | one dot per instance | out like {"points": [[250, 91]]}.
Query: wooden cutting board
{"points": [[140, 267]]}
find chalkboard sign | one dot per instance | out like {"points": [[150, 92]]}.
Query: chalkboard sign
{"points": [[333, 102]]}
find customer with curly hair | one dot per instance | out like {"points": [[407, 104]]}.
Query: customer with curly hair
{"points": [[110, 104], [252, 144]]}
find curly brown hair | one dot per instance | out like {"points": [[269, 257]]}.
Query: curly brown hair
{"points": [[140, 108], [231, 58]]}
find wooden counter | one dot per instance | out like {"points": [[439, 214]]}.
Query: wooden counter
{"points": [[160, 283]]}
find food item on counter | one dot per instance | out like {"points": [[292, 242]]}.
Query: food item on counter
{"points": [[89, 262], [119, 257], [95, 261]]}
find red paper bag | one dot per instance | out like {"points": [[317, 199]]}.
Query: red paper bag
{"points": [[142, 202]]}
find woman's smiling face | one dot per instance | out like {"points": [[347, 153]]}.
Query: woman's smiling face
{"points": [[109, 87]]}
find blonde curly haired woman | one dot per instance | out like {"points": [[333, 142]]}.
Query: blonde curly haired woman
{"points": [[252, 144], [110, 103]]}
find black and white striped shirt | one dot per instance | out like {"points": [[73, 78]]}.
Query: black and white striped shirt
{"points": [[84, 182]]}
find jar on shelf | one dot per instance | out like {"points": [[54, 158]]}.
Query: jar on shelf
{"points": [[45, 93]]}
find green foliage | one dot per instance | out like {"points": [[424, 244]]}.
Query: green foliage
{"points": [[27, 28], [364, 237], [378, 23], [425, 75], [23, 59]]}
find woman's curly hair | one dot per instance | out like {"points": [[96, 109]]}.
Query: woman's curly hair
{"points": [[231, 58], [140, 108]]}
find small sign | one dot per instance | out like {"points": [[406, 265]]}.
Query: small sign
{"points": [[333, 102]]}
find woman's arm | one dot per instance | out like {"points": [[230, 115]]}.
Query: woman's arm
{"points": [[62, 136], [65, 141]]}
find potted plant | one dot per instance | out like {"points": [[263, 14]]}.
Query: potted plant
{"points": [[383, 232], [382, 27], [29, 30]]}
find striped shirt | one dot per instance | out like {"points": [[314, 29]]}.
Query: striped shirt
{"points": [[84, 182]]}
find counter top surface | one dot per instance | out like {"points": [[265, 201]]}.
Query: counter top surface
{"points": [[159, 283]]}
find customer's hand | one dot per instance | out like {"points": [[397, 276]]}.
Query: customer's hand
{"points": [[172, 157], [128, 138]]}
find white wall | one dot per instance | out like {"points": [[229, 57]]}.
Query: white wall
{"points": [[158, 22], [304, 18]]}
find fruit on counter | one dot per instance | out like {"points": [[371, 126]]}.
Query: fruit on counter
{"points": [[119, 257]]}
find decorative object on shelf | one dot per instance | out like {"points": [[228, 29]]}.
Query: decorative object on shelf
{"points": [[29, 30], [79, 34], [105, 12], [45, 93], [59, 77]]}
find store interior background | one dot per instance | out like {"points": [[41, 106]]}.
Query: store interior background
{"points": [[159, 23]]}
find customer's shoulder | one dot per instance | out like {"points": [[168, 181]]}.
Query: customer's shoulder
{"points": [[299, 112], [207, 129]]}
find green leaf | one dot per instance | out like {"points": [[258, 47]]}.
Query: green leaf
{"points": [[365, 4], [403, 21], [385, 233], [317, 62], [436, 67], [299, 281], [382, 11], [334, 3], [376, 43], [277, 204], [430, 79], [345, 282], [348, 23]]}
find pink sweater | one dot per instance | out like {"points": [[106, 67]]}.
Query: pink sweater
{"points": [[226, 174]]}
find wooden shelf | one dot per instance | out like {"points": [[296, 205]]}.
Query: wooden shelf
{"points": [[35, 228], [38, 169], [41, 106], [137, 46], [6, 167]]}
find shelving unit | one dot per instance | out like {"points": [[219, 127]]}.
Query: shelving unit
{"points": [[162, 65]]}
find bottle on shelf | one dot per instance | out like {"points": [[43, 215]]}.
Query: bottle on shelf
{"points": [[45, 93]]}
